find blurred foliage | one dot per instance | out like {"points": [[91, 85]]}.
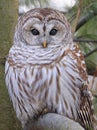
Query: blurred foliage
{"points": [[86, 34], [86, 31]]}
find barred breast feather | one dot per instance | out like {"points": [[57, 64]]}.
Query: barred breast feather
{"points": [[38, 79]]}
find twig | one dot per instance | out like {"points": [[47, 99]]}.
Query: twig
{"points": [[78, 15], [84, 41], [91, 52], [40, 3], [85, 19]]}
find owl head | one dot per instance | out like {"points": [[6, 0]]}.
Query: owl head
{"points": [[42, 28]]}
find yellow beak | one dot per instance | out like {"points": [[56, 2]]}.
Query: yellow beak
{"points": [[44, 44]]}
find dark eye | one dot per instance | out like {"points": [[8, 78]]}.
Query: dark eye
{"points": [[53, 32], [35, 32]]}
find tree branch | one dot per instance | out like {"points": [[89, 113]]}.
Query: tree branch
{"points": [[78, 15], [84, 41], [52, 121], [91, 52], [85, 19]]}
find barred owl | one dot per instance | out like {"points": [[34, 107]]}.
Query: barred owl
{"points": [[46, 70]]}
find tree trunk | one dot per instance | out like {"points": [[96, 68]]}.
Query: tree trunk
{"points": [[8, 19]]}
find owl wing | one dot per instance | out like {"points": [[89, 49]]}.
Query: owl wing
{"points": [[86, 112]]}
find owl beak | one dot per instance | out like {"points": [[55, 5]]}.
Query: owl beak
{"points": [[44, 44]]}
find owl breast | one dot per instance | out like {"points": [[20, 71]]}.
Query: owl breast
{"points": [[33, 87]]}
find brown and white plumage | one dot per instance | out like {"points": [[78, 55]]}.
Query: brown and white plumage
{"points": [[53, 77]]}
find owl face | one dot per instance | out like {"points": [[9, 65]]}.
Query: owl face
{"points": [[43, 28]]}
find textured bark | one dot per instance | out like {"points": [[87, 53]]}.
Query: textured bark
{"points": [[9, 16], [8, 19]]}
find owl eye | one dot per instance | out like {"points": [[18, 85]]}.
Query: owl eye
{"points": [[35, 32], [53, 32]]}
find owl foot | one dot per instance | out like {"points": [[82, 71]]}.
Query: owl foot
{"points": [[40, 114]]}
